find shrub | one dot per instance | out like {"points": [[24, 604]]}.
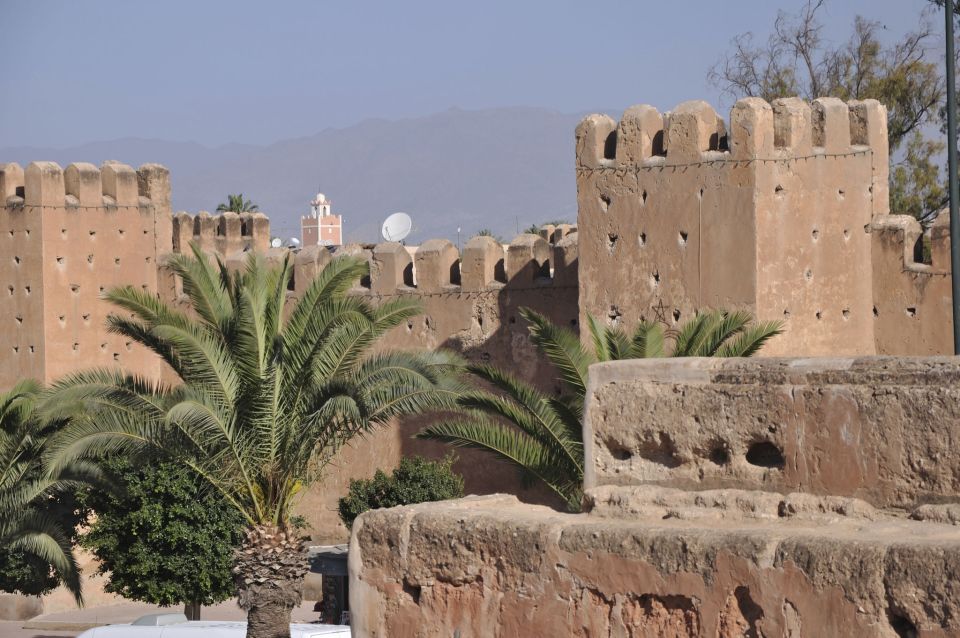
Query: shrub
{"points": [[163, 536], [416, 480]]}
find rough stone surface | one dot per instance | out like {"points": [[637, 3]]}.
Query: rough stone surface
{"points": [[881, 429], [491, 566]]}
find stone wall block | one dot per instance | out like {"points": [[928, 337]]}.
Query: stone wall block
{"points": [[561, 231], [182, 232], [153, 182], [43, 184], [528, 259], [307, 264], [596, 141], [391, 267], [831, 125], [751, 129], [229, 233], [205, 230], [793, 126], [11, 179], [939, 240], [868, 127], [257, 230], [692, 130], [565, 261], [82, 180], [481, 258], [546, 231], [639, 135], [437, 265], [120, 184]]}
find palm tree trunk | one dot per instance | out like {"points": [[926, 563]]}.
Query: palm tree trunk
{"points": [[269, 571]]}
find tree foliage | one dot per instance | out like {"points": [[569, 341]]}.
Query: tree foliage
{"points": [[796, 60], [415, 480], [39, 513], [267, 394], [163, 537], [237, 204], [541, 435]]}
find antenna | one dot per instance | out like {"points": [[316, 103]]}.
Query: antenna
{"points": [[396, 227]]}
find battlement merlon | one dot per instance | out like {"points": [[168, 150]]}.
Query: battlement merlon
{"points": [[83, 185], [787, 128], [225, 233]]}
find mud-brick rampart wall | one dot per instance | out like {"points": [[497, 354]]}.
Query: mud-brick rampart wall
{"points": [[66, 237], [783, 211], [725, 498]]}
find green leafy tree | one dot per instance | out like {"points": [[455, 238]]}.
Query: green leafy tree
{"points": [[541, 435], [416, 480], [38, 512], [796, 60], [164, 537], [237, 204], [267, 394], [486, 232]]}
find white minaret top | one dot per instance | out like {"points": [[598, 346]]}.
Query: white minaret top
{"points": [[320, 206]]}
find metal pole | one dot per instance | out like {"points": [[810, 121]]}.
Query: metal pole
{"points": [[952, 176]]}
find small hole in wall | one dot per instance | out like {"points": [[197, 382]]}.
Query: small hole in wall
{"points": [[720, 455], [10, 289], [604, 202], [683, 238], [19, 318], [901, 625], [86, 317], [676, 315], [815, 234], [121, 231], [513, 320], [765, 454], [808, 274], [786, 313], [846, 233], [89, 259], [144, 231], [103, 346], [911, 311], [16, 349], [147, 259], [26, 289], [819, 315], [63, 231], [32, 350], [643, 197], [61, 319], [876, 313], [778, 191], [93, 233], [614, 315], [655, 278], [74, 288], [11, 233], [846, 313], [574, 322], [76, 346], [116, 261], [612, 241], [27, 232], [642, 239], [409, 326], [700, 193], [127, 345], [60, 260], [841, 194], [620, 453], [16, 260], [116, 356]]}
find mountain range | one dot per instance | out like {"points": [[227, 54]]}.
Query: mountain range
{"points": [[501, 169]]}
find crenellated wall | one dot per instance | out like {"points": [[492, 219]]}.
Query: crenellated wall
{"points": [[68, 236], [911, 299], [680, 212]]}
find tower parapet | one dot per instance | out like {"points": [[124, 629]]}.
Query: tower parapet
{"points": [[678, 212]]}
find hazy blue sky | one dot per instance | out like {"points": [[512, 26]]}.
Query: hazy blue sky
{"points": [[217, 72]]}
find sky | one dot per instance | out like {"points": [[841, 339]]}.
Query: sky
{"points": [[217, 72]]}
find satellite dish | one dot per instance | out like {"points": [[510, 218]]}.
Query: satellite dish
{"points": [[396, 227], [294, 242], [276, 242]]}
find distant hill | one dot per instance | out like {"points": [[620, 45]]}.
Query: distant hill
{"points": [[494, 168]]}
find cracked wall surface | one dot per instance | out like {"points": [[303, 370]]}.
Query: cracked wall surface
{"points": [[844, 524]]}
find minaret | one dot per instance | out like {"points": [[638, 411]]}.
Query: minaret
{"points": [[321, 227]]}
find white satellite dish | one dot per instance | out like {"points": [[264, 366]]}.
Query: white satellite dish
{"points": [[396, 227], [293, 242], [276, 242]]}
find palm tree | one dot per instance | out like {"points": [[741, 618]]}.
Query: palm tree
{"points": [[263, 404], [541, 435], [22, 484], [237, 204]]}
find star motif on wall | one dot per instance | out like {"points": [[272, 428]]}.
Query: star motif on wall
{"points": [[659, 311]]}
